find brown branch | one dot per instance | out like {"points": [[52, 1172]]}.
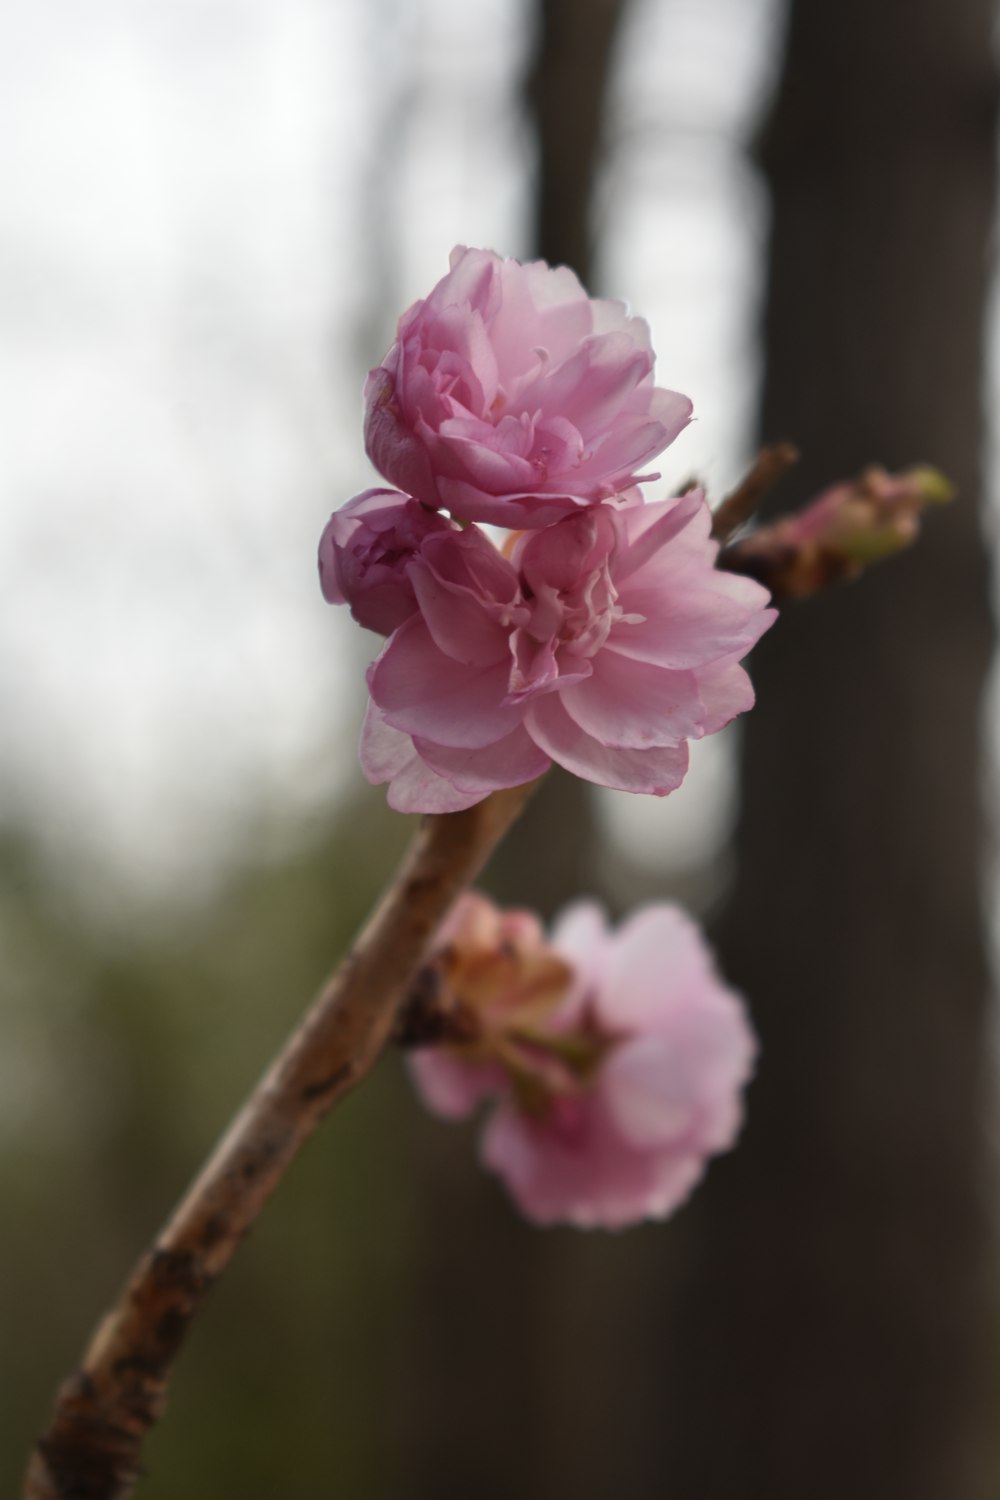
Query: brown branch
{"points": [[771, 464], [91, 1450]]}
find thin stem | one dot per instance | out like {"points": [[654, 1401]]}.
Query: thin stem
{"points": [[91, 1449], [771, 464]]}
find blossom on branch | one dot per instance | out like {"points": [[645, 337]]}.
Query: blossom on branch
{"points": [[601, 637], [614, 1061], [510, 396], [604, 643]]}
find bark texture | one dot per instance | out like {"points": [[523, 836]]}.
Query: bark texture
{"points": [[835, 1332]]}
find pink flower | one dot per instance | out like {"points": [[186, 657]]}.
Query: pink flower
{"points": [[512, 397], [610, 1101], [604, 643], [365, 552]]}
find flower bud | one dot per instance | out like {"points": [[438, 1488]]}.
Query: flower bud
{"points": [[365, 553], [848, 527]]}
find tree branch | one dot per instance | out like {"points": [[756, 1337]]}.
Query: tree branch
{"points": [[771, 464], [91, 1449]]}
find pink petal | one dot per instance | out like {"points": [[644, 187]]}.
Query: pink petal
{"points": [[425, 693], [385, 752], [391, 445], [511, 761], [461, 331], [649, 1090], [689, 627], [693, 510], [614, 463], [515, 510], [612, 316], [656, 941], [456, 619], [635, 705], [417, 789], [472, 280], [468, 560], [387, 755], [671, 410], [579, 1171], [450, 1086], [487, 466], [675, 1175], [725, 692], [558, 557], [648, 532], [682, 1088], [658, 771], [580, 935], [591, 387]]}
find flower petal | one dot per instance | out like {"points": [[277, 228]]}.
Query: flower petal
{"points": [[511, 761], [574, 1167], [657, 771], [387, 755], [425, 693], [451, 1087], [635, 705]]}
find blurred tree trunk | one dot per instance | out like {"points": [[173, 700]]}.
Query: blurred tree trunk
{"points": [[551, 855], [496, 1354], [835, 1334], [566, 93]]}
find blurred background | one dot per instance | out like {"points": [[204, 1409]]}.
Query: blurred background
{"points": [[212, 212]]}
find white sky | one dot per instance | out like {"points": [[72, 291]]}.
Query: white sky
{"points": [[199, 200]]}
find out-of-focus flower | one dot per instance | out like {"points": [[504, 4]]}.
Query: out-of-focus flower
{"points": [[616, 1060], [849, 526], [604, 643], [365, 552], [510, 396]]}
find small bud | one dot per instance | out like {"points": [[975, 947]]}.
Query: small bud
{"points": [[365, 554], [848, 527]]}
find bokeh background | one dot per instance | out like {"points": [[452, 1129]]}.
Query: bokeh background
{"points": [[212, 212]]}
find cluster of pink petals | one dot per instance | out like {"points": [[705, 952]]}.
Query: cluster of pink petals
{"points": [[604, 643], [601, 636], [510, 396], [628, 1137]]}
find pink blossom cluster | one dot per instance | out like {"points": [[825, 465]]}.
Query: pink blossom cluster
{"points": [[511, 396], [600, 636], [614, 1061]]}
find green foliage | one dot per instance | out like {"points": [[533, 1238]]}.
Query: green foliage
{"points": [[121, 1058]]}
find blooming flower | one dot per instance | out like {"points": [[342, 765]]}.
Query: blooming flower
{"points": [[510, 396], [614, 1078], [604, 643]]}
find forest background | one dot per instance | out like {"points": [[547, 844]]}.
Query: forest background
{"points": [[212, 212]]}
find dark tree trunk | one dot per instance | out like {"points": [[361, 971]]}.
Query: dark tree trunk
{"points": [[497, 1354], [835, 1335], [566, 92]]}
